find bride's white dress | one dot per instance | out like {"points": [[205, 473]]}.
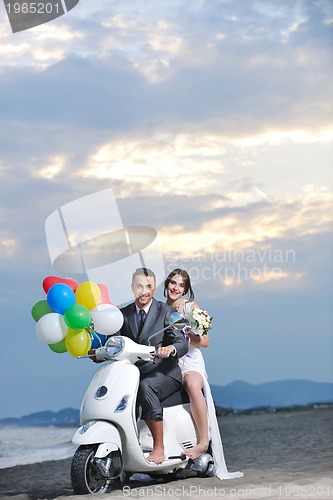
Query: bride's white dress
{"points": [[194, 361]]}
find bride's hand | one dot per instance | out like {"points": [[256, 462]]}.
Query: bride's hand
{"points": [[198, 341]]}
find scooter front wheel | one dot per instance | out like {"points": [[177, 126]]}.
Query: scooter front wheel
{"points": [[89, 474]]}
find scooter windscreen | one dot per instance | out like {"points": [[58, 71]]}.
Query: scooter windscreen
{"points": [[177, 320]]}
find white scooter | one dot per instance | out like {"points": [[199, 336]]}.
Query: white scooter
{"points": [[113, 440]]}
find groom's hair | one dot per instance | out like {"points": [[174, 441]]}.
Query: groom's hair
{"points": [[143, 271]]}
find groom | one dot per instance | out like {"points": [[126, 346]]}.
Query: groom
{"points": [[161, 378]]}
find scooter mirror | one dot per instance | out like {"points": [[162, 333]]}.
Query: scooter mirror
{"points": [[177, 320]]}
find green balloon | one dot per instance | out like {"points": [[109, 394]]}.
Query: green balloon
{"points": [[58, 347], [39, 309], [77, 317]]}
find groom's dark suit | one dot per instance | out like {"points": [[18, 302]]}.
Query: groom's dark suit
{"points": [[161, 378]]}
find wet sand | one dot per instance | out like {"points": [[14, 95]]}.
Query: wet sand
{"points": [[282, 455]]}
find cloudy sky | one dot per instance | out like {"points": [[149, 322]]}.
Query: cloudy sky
{"points": [[212, 122]]}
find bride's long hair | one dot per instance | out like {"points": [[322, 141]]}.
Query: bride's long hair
{"points": [[187, 282]]}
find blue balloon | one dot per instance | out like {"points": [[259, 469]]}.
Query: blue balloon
{"points": [[60, 297], [95, 342]]}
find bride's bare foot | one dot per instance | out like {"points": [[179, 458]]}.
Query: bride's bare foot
{"points": [[196, 451], [157, 456]]}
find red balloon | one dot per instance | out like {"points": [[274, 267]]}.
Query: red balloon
{"points": [[53, 280], [105, 299]]}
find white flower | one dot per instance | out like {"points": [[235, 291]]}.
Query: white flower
{"points": [[200, 321]]}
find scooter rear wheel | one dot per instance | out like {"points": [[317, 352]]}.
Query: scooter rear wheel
{"points": [[86, 476]]}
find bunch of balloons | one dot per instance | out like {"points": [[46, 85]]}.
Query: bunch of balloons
{"points": [[75, 317]]}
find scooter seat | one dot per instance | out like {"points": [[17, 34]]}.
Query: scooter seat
{"points": [[177, 398]]}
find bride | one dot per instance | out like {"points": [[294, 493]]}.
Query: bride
{"points": [[195, 379]]}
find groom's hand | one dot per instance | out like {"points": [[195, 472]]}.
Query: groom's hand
{"points": [[91, 353], [166, 352]]}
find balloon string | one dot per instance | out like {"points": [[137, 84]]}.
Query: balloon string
{"points": [[90, 330]]}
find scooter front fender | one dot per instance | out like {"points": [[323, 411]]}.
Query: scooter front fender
{"points": [[99, 432]]}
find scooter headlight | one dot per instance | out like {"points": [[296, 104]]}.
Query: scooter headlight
{"points": [[114, 346]]}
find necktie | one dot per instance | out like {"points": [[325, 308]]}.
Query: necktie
{"points": [[142, 316]]}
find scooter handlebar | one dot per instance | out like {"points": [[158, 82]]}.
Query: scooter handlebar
{"points": [[122, 348]]}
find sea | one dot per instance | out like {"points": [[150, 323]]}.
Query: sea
{"points": [[29, 445]]}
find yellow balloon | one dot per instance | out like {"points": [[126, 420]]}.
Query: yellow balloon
{"points": [[88, 294], [77, 342]]}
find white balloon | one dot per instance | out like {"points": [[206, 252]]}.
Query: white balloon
{"points": [[107, 319], [51, 328]]}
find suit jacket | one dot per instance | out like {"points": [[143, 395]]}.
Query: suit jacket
{"points": [[155, 321]]}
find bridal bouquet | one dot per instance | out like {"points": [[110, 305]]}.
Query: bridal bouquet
{"points": [[200, 321]]}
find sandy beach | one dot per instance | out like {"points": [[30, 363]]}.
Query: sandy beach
{"points": [[282, 455]]}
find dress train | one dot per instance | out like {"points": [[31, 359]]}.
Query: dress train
{"points": [[220, 467], [194, 361]]}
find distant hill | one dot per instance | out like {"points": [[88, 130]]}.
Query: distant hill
{"points": [[241, 395], [237, 396], [68, 417]]}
